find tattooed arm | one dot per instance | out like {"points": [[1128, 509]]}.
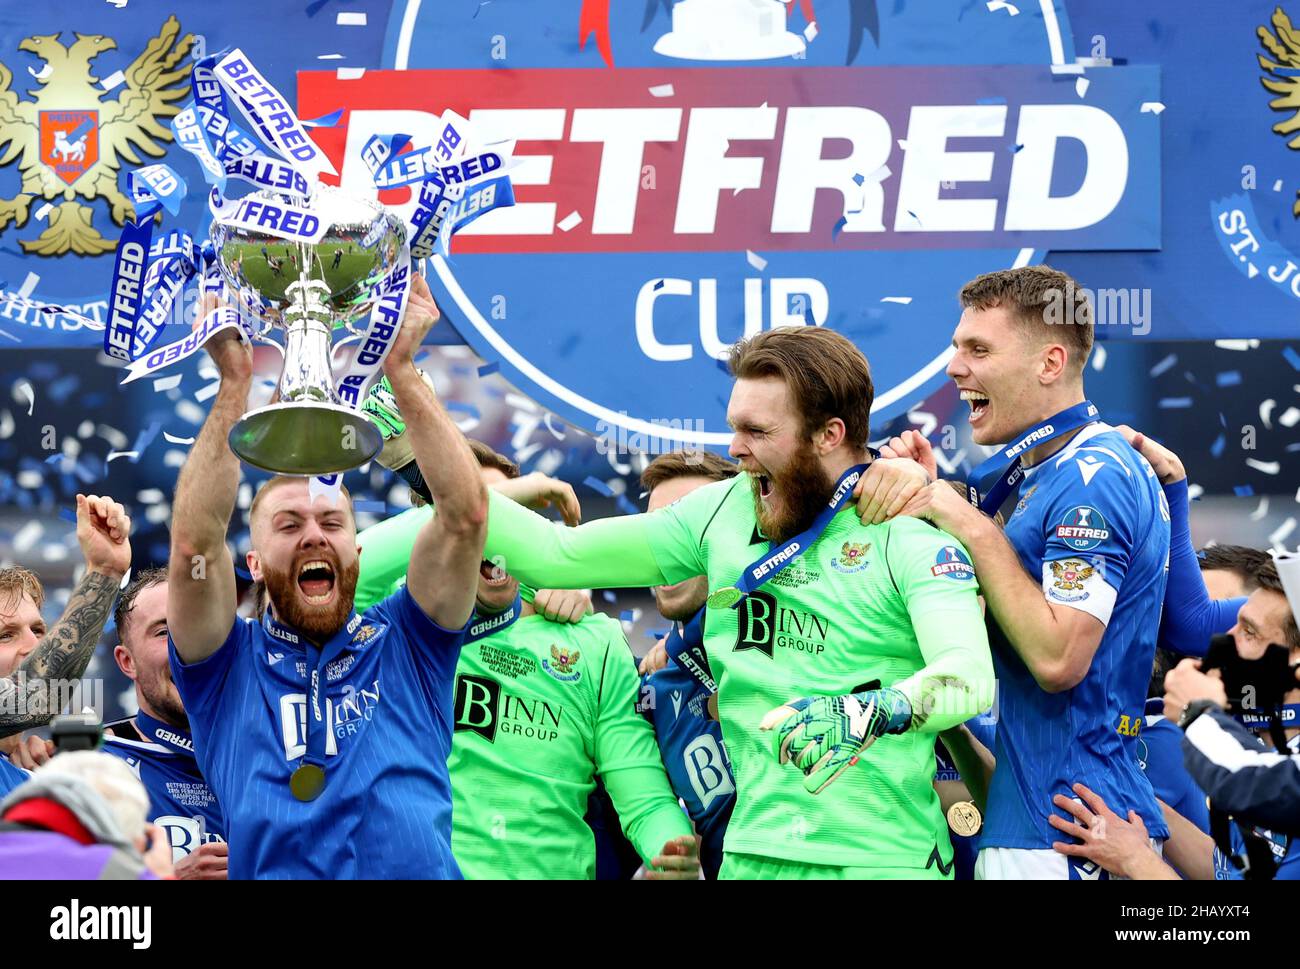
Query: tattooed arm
{"points": [[26, 698]]}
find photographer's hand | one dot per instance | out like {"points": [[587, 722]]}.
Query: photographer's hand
{"points": [[1186, 683]]}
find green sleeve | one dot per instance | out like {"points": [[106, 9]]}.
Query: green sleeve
{"points": [[628, 760], [956, 682], [609, 553], [386, 553]]}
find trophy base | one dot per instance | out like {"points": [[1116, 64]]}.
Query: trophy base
{"points": [[305, 439]]}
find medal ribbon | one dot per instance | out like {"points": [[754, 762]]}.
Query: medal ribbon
{"points": [[763, 569], [315, 728], [175, 739], [484, 626], [685, 644]]}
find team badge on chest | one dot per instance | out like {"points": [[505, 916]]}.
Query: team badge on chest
{"points": [[563, 665], [852, 558]]}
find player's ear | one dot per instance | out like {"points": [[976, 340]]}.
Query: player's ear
{"points": [[1055, 361], [254, 565], [125, 661], [830, 436]]}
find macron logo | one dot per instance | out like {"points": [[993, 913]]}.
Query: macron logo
{"points": [[1088, 467]]}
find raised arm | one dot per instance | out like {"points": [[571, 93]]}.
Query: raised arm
{"points": [[1190, 617], [27, 699], [608, 553], [201, 597], [443, 573], [386, 547]]}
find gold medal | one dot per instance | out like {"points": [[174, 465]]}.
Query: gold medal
{"points": [[724, 598], [964, 818], [307, 782]]}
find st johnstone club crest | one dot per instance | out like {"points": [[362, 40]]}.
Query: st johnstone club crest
{"points": [[852, 557], [1068, 579], [563, 664]]}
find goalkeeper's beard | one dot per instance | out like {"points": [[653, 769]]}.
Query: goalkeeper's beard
{"points": [[803, 488], [317, 622]]}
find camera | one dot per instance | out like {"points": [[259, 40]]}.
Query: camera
{"points": [[76, 732]]}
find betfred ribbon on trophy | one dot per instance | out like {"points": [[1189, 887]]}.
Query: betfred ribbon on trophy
{"points": [[295, 255]]}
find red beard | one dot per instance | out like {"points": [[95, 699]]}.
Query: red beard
{"points": [[803, 489], [317, 623]]}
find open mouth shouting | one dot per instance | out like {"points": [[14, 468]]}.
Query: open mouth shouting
{"points": [[979, 404], [493, 574], [316, 580]]}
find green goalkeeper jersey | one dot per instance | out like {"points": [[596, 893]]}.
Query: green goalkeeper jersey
{"points": [[893, 604], [540, 708]]}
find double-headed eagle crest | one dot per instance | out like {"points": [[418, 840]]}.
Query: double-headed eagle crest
{"points": [[851, 552], [1071, 574], [564, 660], [71, 140], [1282, 77]]}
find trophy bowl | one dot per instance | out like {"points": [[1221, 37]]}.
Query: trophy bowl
{"points": [[309, 290]]}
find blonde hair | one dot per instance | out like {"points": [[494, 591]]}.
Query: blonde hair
{"points": [[112, 780]]}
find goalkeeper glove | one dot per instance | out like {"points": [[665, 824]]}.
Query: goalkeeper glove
{"points": [[825, 735], [380, 406]]}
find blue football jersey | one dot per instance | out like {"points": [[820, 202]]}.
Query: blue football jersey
{"points": [[1092, 524], [385, 811], [1160, 755], [10, 776], [694, 756], [180, 801]]}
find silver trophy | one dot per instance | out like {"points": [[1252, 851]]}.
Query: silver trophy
{"points": [[310, 291]]}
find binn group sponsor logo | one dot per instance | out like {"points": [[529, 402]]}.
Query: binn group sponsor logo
{"points": [[483, 707], [764, 624], [706, 189]]}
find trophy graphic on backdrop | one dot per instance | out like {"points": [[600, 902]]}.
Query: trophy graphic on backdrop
{"points": [[310, 290], [729, 30]]}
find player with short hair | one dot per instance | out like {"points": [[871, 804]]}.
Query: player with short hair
{"points": [[541, 709], [156, 742], [1075, 584], [324, 732], [807, 600]]}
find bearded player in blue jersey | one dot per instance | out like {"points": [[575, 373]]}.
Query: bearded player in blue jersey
{"points": [[156, 742], [1074, 588], [324, 733]]}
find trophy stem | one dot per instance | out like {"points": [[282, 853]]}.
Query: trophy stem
{"points": [[308, 432]]}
